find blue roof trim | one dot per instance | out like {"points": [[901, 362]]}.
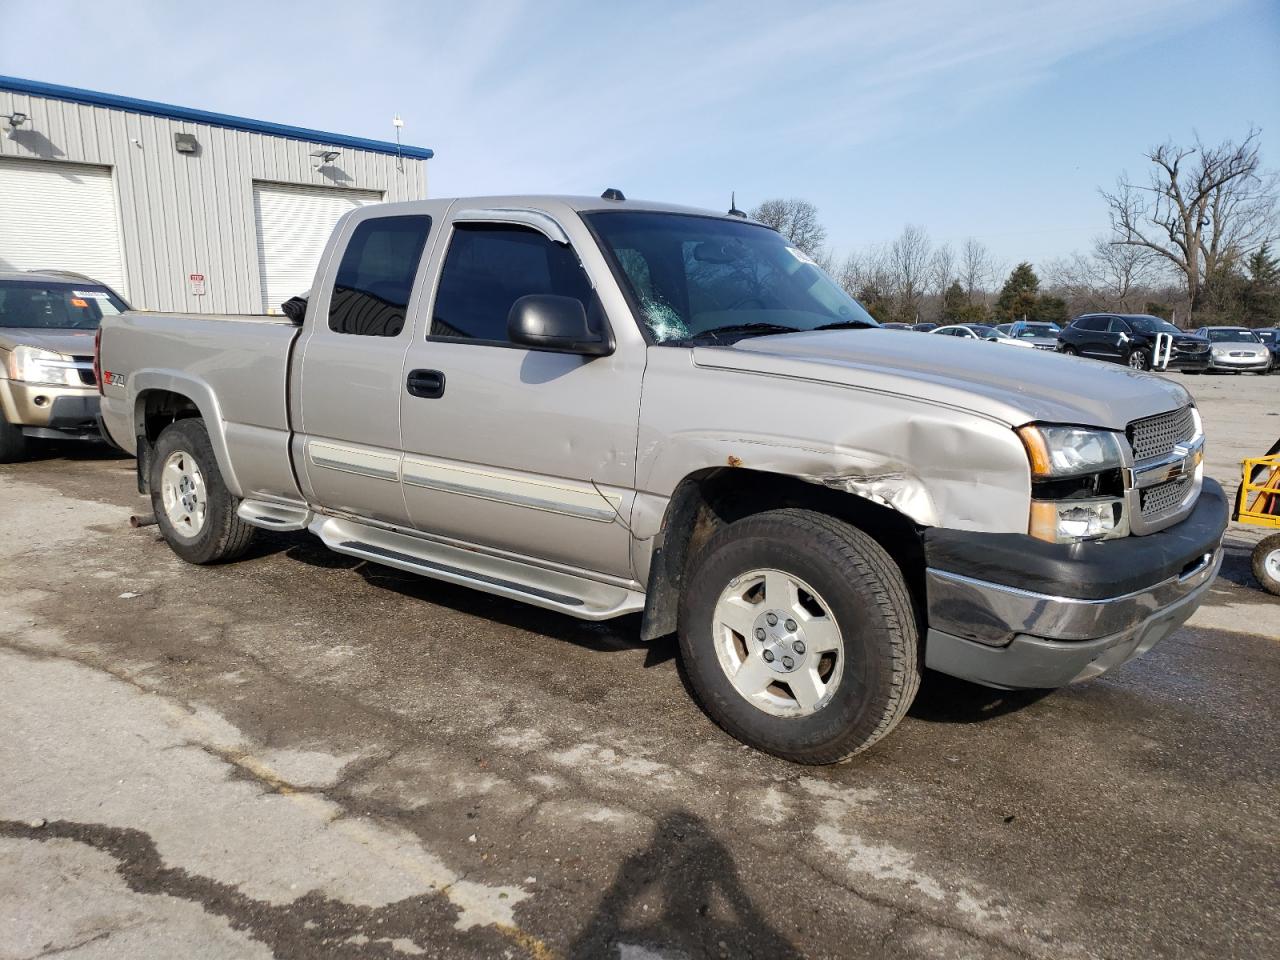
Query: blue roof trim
{"points": [[155, 109]]}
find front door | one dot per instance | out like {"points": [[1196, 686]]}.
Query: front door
{"points": [[523, 451]]}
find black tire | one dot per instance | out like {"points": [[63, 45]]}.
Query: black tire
{"points": [[1138, 359], [1070, 351], [13, 442], [223, 536], [865, 594], [1269, 547]]}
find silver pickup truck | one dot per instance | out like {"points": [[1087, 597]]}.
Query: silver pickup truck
{"points": [[602, 407]]}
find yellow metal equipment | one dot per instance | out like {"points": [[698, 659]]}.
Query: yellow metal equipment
{"points": [[1258, 504]]}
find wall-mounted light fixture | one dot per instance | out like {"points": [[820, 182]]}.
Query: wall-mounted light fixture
{"points": [[17, 118], [325, 156], [186, 143]]}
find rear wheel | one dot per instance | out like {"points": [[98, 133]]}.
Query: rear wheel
{"points": [[799, 637], [195, 510], [13, 442], [1266, 563]]}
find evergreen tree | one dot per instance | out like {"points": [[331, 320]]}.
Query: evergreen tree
{"points": [[1018, 296], [1260, 297]]}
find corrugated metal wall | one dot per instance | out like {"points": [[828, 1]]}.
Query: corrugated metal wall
{"points": [[191, 213]]}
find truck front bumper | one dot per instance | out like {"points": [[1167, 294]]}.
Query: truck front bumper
{"points": [[1039, 615], [43, 410]]}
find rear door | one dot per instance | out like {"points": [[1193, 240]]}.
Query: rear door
{"points": [[349, 370], [523, 451]]}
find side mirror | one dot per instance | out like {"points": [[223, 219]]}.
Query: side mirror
{"points": [[543, 321]]}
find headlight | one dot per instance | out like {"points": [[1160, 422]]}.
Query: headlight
{"points": [[1070, 451], [42, 366], [1066, 521], [1077, 490]]}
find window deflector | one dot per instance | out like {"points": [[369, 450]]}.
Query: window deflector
{"points": [[544, 223]]}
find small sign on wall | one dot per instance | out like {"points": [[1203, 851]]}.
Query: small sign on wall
{"points": [[196, 281]]}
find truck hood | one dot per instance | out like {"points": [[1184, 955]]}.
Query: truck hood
{"points": [[77, 343], [1012, 386]]}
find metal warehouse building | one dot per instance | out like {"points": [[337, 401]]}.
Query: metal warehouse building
{"points": [[180, 209]]}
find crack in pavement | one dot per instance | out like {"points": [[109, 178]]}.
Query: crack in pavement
{"points": [[313, 927]]}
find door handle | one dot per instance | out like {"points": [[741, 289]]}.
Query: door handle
{"points": [[427, 384]]}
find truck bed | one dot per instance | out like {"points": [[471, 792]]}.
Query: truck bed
{"points": [[235, 367]]}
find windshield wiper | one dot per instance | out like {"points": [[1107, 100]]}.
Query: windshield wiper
{"points": [[846, 325], [745, 329]]}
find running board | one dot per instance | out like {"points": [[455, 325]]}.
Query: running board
{"points": [[273, 516], [550, 589]]}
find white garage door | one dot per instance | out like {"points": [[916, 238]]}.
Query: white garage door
{"points": [[60, 216], [294, 224]]}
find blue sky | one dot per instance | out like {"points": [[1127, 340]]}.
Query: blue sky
{"points": [[992, 119]]}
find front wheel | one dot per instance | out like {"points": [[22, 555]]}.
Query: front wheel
{"points": [[1266, 563], [1138, 360], [799, 637], [195, 510], [1070, 351]]}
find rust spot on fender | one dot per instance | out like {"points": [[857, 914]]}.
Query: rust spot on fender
{"points": [[734, 461]]}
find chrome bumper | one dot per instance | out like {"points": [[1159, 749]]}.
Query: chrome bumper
{"points": [[1005, 637]]}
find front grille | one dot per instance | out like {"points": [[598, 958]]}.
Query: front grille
{"points": [[1164, 497], [1157, 436], [86, 376]]}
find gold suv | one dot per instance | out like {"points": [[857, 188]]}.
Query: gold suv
{"points": [[48, 389]]}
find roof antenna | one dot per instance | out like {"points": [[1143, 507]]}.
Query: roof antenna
{"points": [[613, 193], [733, 207]]}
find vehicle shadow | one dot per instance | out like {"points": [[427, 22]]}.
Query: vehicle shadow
{"points": [[946, 699], [606, 636], [680, 893], [78, 450]]}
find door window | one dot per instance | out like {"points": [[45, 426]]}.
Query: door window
{"points": [[491, 266], [371, 292], [1117, 326]]}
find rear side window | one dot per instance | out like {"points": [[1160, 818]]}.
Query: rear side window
{"points": [[375, 278], [1091, 323], [491, 266]]}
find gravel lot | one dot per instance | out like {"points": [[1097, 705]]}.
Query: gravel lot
{"points": [[306, 756]]}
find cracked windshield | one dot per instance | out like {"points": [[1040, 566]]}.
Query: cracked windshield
{"points": [[703, 279]]}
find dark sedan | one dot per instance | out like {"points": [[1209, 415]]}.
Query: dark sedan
{"points": [[1271, 338], [1131, 339]]}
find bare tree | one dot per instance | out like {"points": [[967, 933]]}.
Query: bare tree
{"points": [[1122, 272], [795, 219], [1201, 206], [909, 266], [866, 276], [976, 270], [942, 269]]}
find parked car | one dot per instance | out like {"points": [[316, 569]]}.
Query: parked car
{"points": [[1130, 339], [895, 326], [1041, 335], [602, 407], [979, 331], [48, 389], [924, 327], [1236, 350], [1271, 337]]}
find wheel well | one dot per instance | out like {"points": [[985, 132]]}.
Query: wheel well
{"points": [[710, 499], [155, 410]]}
